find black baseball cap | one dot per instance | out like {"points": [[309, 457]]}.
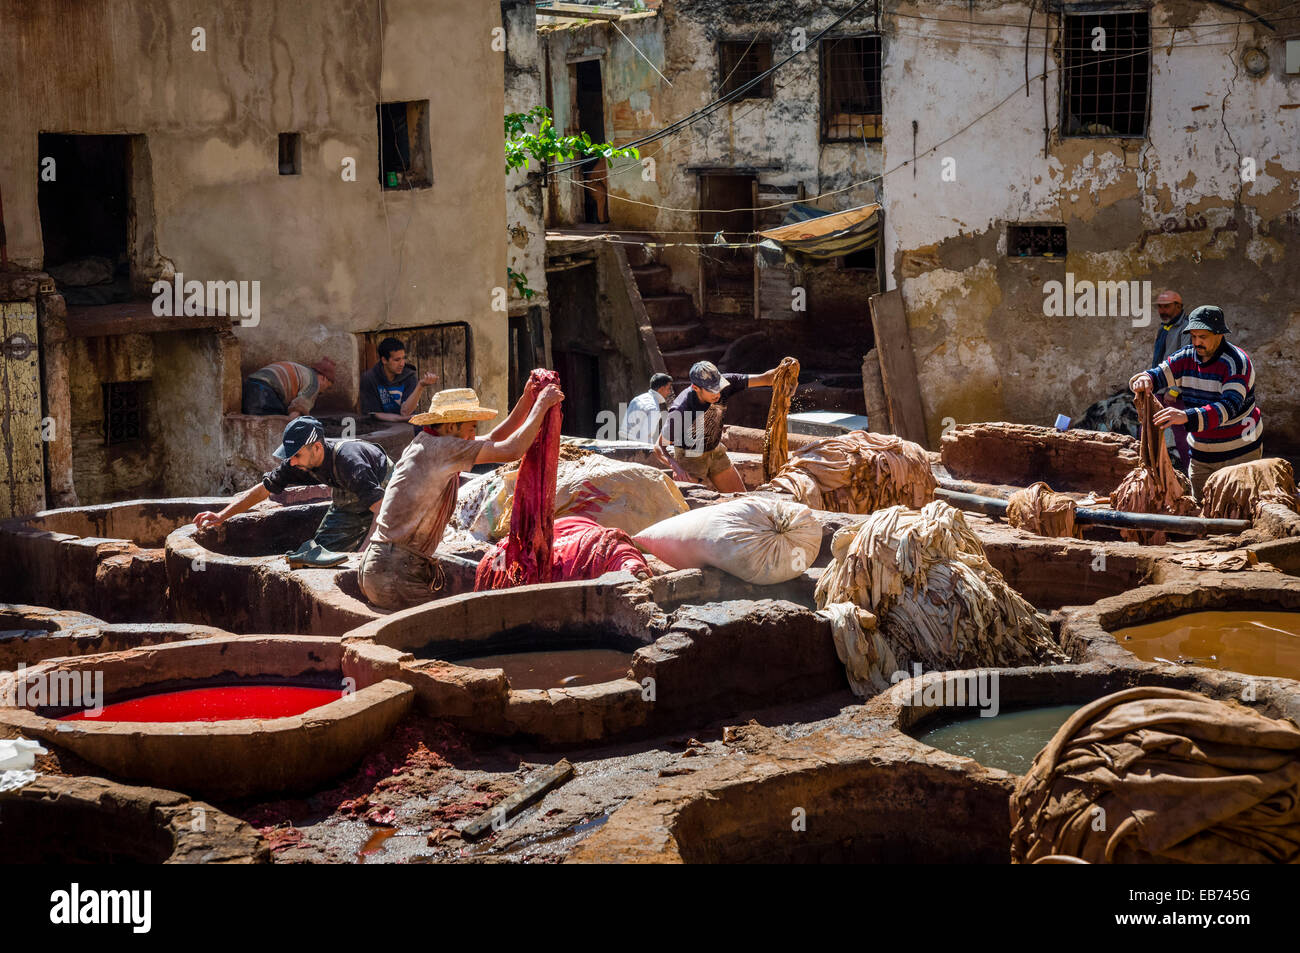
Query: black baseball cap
{"points": [[705, 374], [1207, 318], [301, 432]]}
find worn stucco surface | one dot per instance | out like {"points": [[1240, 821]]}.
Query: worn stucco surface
{"points": [[334, 257], [1171, 208]]}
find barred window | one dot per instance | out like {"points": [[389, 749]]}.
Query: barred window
{"points": [[740, 61], [1036, 241], [124, 403], [850, 81], [1107, 74]]}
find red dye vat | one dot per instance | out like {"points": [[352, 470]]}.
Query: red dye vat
{"points": [[221, 703]]}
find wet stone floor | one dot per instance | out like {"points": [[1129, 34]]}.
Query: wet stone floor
{"points": [[407, 802]]}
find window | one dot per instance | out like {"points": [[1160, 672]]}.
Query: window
{"points": [[850, 80], [1036, 241], [404, 145], [1106, 75], [290, 153], [740, 61], [124, 411]]}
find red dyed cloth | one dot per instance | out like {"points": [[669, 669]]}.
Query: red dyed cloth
{"points": [[524, 557], [586, 550]]}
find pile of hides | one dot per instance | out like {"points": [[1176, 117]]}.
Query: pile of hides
{"points": [[936, 598], [1036, 509], [1153, 486], [859, 472], [1234, 493], [626, 496], [525, 556], [586, 550], [1159, 775], [776, 449]]}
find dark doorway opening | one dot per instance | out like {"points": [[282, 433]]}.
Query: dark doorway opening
{"points": [[526, 349], [727, 203], [589, 93], [576, 345], [84, 197]]}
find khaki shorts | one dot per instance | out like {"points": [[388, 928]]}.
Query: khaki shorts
{"points": [[1200, 471], [702, 466]]}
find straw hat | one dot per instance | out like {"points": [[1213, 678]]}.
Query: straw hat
{"points": [[453, 406]]}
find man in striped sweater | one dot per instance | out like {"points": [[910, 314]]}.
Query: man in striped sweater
{"points": [[1216, 383]]}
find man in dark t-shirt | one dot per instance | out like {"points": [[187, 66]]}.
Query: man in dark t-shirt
{"points": [[356, 470], [391, 389], [693, 424]]}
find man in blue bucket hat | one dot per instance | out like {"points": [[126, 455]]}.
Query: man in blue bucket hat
{"points": [[1216, 383], [357, 472]]}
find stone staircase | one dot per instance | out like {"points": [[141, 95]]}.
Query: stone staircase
{"points": [[682, 337]]}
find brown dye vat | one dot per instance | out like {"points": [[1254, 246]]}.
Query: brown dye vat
{"points": [[562, 669], [1251, 642]]}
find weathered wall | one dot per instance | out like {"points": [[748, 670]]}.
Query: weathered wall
{"points": [[779, 138], [334, 257], [525, 211], [984, 349]]}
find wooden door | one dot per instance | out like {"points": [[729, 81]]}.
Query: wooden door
{"points": [[23, 492], [727, 274]]}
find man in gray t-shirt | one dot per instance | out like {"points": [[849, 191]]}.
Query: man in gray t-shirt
{"points": [[398, 569]]}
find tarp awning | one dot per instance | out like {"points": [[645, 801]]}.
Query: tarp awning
{"points": [[814, 232]]}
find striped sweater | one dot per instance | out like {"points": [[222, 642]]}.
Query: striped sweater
{"points": [[1223, 421], [295, 384]]}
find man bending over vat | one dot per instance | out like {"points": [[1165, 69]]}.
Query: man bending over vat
{"points": [[398, 569], [356, 472]]}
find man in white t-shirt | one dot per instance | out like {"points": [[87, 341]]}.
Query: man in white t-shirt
{"points": [[641, 421]]}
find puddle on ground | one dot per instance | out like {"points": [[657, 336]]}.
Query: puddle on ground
{"points": [[564, 668], [375, 842], [1250, 642], [1009, 741]]}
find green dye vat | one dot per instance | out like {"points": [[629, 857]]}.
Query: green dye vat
{"points": [[1009, 740]]}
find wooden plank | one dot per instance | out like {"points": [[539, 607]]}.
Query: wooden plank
{"points": [[133, 317], [576, 11], [456, 360], [543, 781], [898, 366]]}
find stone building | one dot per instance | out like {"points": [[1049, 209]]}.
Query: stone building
{"points": [[333, 160], [1005, 152]]}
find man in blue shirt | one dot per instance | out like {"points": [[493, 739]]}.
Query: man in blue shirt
{"points": [[1172, 337], [391, 389]]}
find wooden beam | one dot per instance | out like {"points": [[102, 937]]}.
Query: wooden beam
{"points": [[542, 782], [576, 11], [898, 366]]}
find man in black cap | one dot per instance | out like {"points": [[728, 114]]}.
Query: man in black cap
{"points": [[1216, 383], [693, 424], [356, 470]]}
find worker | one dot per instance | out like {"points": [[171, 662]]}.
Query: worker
{"points": [[286, 388], [1172, 337], [693, 425], [391, 389], [643, 418], [1216, 382], [398, 569], [356, 471]]}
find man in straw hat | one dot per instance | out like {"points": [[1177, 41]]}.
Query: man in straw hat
{"points": [[397, 569]]}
